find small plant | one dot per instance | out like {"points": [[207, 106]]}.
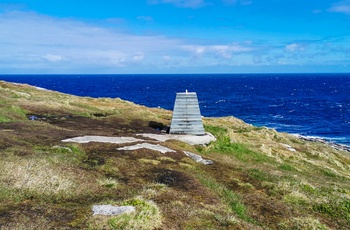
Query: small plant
{"points": [[340, 209], [108, 182], [147, 216], [328, 173], [295, 197], [286, 167], [258, 174]]}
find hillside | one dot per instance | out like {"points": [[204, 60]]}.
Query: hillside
{"points": [[260, 179]]}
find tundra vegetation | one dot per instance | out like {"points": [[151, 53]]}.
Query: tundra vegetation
{"points": [[260, 179]]}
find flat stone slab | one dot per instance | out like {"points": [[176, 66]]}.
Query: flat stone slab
{"points": [[158, 148], [109, 210], [190, 139], [198, 158], [103, 139]]}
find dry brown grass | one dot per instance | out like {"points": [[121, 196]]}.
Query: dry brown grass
{"points": [[256, 181], [40, 177]]}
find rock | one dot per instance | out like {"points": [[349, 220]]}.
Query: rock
{"points": [[198, 158], [109, 210], [158, 148], [324, 141], [290, 148], [190, 139], [102, 139]]}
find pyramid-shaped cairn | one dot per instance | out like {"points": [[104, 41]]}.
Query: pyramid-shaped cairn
{"points": [[187, 117]]}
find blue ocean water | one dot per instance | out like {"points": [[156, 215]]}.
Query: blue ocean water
{"points": [[305, 104]]}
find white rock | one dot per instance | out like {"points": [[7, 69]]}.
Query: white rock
{"points": [[190, 139], [198, 158], [103, 139], [158, 148], [109, 210]]}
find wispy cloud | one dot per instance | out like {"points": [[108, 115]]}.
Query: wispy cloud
{"points": [[222, 51], [294, 47], [35, 43], [31, 40], [341, 7], [180, 3]]}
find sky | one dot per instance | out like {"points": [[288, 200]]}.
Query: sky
{"points": [[174, 36]]}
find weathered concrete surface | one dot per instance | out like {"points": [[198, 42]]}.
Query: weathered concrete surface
{"points": [[190, 139], [103, 139], [187, 117], [109, 210], [158, 148]]}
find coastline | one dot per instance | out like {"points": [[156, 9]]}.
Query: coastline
{"points": [[334, 145]]}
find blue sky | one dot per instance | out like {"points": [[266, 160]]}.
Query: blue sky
{"points": [[174, 36]]}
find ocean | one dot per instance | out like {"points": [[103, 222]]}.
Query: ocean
{"points": [[316, 105]]}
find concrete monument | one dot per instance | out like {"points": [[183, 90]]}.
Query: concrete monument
{"points": [[187, 117]]}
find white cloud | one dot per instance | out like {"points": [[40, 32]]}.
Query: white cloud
{"points": [[34, 41], [53, 58], [341, 7], [222, 51], [294, 47], [138, 57]]}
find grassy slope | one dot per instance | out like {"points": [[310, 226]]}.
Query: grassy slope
{"points": [[257, 181]]}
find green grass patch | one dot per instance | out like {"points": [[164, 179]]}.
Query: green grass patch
{"points": [[286, 167], [239, 150], [215, 130], [328, 173], [307, 188], [12, 113], [147, 216], [340, 209], [223, 144], [258, 174], [232, 200]]}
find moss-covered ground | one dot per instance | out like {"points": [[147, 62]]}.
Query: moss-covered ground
{"points": [[260, 179]]}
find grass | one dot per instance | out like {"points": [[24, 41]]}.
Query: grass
{"points": [[38, 178], [286, 167], [303, 223], [232, 200], [11, 113], [45, 183], [225, 145], [147, 216], [335, 209]]}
